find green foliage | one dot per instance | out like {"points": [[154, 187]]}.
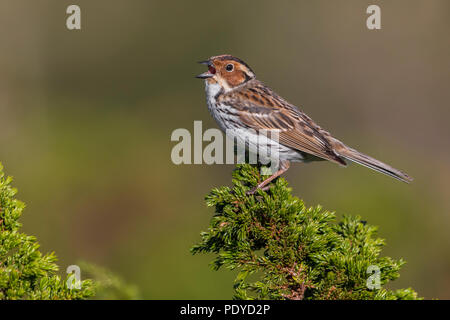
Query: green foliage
{"points": [[109, 286], [26, 273], [284, 250]]}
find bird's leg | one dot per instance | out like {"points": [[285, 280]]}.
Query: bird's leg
{"points": [[284, 166]]}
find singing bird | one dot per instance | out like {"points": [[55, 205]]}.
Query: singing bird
{"points": [[239, 103]]}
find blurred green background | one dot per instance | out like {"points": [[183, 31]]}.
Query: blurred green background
{"points": [[86, 118]]}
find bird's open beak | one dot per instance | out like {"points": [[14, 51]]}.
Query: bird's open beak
{"points": [[207, 74]]}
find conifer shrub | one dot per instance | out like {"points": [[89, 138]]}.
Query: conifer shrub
{"points": [[283, 249], [25, 272]]}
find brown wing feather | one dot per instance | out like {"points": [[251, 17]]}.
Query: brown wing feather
{"points": [[261, 108]]}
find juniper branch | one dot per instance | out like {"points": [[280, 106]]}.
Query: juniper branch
{"points": [[25, 272]]}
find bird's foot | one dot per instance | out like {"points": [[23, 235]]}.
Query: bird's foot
{"points": [[253, 190]]}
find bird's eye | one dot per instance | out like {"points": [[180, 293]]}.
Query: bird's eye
{"points": [[229, 67]]}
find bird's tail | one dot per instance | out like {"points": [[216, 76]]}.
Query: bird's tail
{"points": [[374, 164]]}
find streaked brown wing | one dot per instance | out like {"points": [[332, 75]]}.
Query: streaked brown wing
{"points": [[293, 134], [261, 108]]}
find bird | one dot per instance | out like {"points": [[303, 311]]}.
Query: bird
{"points": [[240, 103]]}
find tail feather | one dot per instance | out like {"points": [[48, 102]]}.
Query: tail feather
{"points": [[374, 164]]}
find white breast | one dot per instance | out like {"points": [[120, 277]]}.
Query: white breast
{"points": [[228, 121]]}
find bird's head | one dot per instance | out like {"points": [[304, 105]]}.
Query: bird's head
{"points": [[227, 71]]}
